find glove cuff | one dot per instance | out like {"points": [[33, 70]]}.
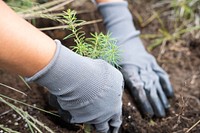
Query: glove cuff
{"points": [[45, 70], [118, 20]]}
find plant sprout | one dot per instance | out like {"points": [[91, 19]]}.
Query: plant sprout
{"points": [[97, 46], [165, 36], [185, 8]]}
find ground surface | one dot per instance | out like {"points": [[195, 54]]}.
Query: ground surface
{"points": [[180, 60]]}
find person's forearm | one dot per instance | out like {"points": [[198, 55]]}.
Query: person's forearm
{"points": [[24, 49]]}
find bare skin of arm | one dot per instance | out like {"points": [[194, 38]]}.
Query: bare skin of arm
{"points": [[24, 49]]}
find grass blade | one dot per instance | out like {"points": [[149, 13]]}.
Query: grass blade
{"points": [[11, 88]]}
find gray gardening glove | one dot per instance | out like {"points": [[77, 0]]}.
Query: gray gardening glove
{"points": [[147, 81], [89, 90]]}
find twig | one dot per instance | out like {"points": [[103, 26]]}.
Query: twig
{"points": [[31, 15], [138, 16], [191, 97], [95, 24], [162, 50], [66, 26], [193, 126], [28, 105], [159, 4], [43, 6], [36, 15], [6, 112], [7, 130], [84, 11], [149, 20], [9, 87], [23, 80]]}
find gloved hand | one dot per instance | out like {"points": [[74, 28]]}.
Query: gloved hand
{"points": [[148, 83], [90, 91]]}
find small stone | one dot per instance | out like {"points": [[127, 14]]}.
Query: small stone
{"points": [[133, 108], [1, 131], [14, 115], [9, 121], [129, 104], [16, 123], [26, 125], [129, 117], [19, 118]]}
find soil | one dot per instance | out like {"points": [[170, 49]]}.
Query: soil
{"points": [[181, 60]]}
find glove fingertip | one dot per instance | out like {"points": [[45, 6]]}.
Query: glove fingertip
{"points": [[146, 110], [159, 110], [167, 87], [161, 114], [102, 127], [169, 91]]}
